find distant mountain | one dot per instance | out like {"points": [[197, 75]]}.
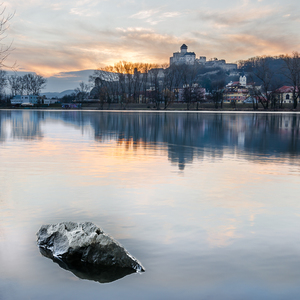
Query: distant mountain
{"points": [[67, 80], [50, 95]]}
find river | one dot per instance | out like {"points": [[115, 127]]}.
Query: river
{"points": [[208, 202]]}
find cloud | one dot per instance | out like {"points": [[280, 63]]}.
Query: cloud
{"points": [[239, 16], [155, 16], [84, 12], [234, 46], [97, 49], [247, 30], [144, 14], [171, 14], [86, 8], [55, 36], [105, 47], [56, 6]]}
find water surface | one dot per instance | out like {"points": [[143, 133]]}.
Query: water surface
{"points": [[209, 203]]}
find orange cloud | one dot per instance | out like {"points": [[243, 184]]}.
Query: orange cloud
{"points": [[76, 40]]}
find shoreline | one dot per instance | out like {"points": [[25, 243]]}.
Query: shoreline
{"points": [[174, 107], [158, 111]]}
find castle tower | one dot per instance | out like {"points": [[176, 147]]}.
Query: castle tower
{"points": [[243, 80], [183, 49]]}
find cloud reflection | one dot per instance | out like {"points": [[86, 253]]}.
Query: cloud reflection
{"points": [[205, 200], [184, 136]]}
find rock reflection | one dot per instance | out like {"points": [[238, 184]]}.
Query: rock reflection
{"points": [[102, 274]]}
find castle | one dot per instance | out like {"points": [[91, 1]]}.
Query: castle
{"points": [[189, 58], [183, 57]]}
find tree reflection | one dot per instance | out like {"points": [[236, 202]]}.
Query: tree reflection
{"points": [[186, 136], [24, 125]]}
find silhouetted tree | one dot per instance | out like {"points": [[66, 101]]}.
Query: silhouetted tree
{"points": [[68, 98], [3, 84], [189, 81], [264, 75], [82, 91], [4, 49], [14, 84], [291, 70], [156, 87], [217, 90], [32, 84]]}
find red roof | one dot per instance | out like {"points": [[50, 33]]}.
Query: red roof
{"points": [[286, 89], [233, 83]]}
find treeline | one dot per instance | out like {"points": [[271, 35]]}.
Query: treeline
{"points": [[267, 74], [28, 84], [127, 82]]}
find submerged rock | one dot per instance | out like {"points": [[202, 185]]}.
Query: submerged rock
{"points": [[85, 250]]}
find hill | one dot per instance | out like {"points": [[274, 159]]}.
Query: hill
{"points": [[58, 95]]}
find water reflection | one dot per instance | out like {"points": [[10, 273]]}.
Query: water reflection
{"points": [[223, 228], [186, 136], [23, 125], [101, 274]]}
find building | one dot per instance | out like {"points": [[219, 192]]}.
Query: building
{"points": [[241, 83], [50, 101], [189, 58], [201, 60], [236, 91], [183, 57], [285, 94], [243, 80], [218, 63], [235, 94], [25, 99]]}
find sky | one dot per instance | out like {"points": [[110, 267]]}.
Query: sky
{"points": [[50, 37]]}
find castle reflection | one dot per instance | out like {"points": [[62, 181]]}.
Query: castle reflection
{"points": [[185, 136]]}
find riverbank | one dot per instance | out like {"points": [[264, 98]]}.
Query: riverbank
{"points": [[151, 107]]}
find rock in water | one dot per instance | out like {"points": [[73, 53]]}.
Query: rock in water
{"points": [[87, 251]]}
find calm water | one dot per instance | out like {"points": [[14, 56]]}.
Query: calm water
{"points": [[209, 203]]}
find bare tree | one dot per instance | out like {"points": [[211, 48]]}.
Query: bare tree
{"points": [[4, 49], [22, 85], [169, 81], [156, 86], [145, 80], [265, 76], [124, 82], [28, 83], [189, 80], [3, 83], [291, 70], [82, 91], [106, 86], [199, 95], [14, 81], [32, 84], [178, 75], [38, 83], [217, 91]]}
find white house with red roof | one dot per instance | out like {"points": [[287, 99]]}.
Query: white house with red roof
{"points": [[285, 94]]}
